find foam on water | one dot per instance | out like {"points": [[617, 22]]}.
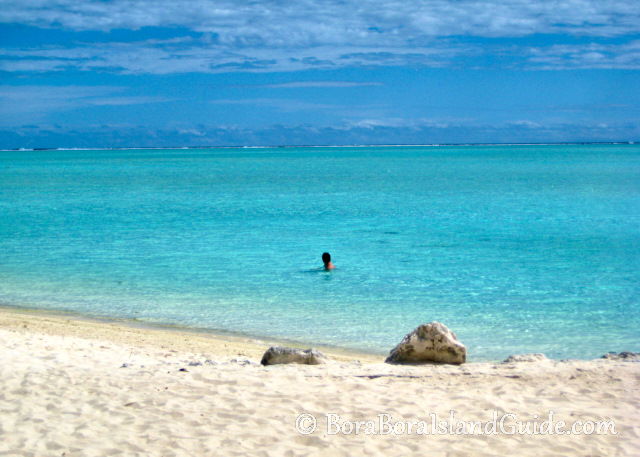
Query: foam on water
{"points": [[515, 248]]}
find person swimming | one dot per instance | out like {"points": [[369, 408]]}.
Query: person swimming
{"points": [[326, 259]]}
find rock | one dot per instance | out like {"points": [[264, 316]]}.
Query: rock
{"points": [[278, 355], [242, 362], [626, 356], [432, 342], [537, 357]]}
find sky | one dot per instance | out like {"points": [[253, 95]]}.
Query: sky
{"points": [[172, 73]]}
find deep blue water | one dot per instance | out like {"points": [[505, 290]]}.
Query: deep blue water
{"points": [[515, 248]]}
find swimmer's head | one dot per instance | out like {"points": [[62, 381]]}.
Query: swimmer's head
{"points": [[326, 257]]}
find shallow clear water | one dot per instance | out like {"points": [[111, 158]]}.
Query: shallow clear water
{"points": [[515, 248]]}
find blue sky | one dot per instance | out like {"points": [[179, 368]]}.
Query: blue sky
{"points": [[138, 73]]}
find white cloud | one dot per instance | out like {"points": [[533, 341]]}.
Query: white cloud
{"points": [[20, 104], [270, 35], [313, 22], [328, 84], [159, 57], [403, 123], [52, 95], [381, 131], [526, 124], [593, 55], [283, 105]]}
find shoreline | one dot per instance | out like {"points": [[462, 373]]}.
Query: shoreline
{"points": [[182, 338], [253, 343], [124, 330]]}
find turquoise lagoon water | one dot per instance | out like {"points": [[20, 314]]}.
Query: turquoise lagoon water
{"points": [[515, 248]]}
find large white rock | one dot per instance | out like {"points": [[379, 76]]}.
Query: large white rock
{"points": [[432, 342], [279, 354]]}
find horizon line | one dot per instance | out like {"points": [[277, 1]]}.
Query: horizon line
{"points": [[122, 148]]}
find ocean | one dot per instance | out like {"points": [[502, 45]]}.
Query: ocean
{"points": [[515, 248]]}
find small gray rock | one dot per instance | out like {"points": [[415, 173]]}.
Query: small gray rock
{"points": [[276, 355], [626, 356], [243, 362], [432, 342], [537, 357]]}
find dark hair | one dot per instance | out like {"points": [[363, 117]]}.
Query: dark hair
{"points": [[326, 257]]}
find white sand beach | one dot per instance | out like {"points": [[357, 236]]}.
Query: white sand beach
{"points": [[76, 387]]}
